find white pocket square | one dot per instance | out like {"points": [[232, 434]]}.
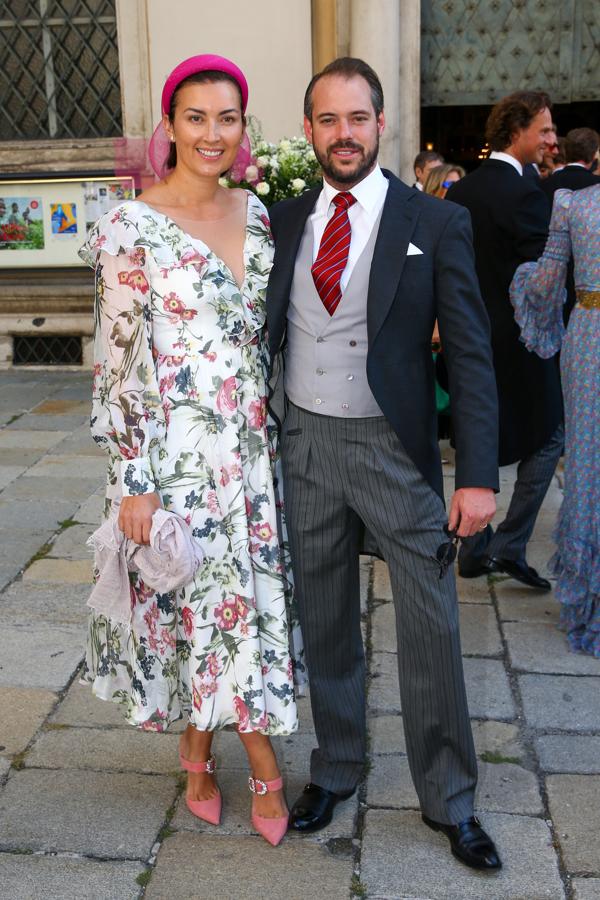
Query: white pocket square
{"points": [[413, 251]]}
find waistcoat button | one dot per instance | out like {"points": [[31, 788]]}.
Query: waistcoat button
{"points": [[352, 343], [318, 401], [350, 377]]}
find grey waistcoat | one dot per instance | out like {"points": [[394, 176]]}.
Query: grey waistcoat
{"points": [[326, 356]]}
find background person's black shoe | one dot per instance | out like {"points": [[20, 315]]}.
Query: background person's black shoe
{"points": [[314, 808], [469, 843], [476, 567], [520, 571]]}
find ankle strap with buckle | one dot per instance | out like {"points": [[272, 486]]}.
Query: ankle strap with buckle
{"points": [[208, 766], [260, 787]]}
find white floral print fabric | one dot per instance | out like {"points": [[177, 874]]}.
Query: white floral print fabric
{"points": [[179, 404]]}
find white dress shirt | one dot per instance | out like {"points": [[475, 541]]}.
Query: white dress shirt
{"points": [[507, 158], [370, 196]]}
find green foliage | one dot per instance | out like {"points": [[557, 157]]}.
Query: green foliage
{"points": [[68, 523], [143, 879], [36, 235], [491, 756], [357, 888]]}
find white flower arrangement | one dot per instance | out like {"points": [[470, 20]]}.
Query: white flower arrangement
{"points": [[277, 171]]}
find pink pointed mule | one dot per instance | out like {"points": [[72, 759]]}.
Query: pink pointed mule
{"points": [[272, 829], [209, 810]]}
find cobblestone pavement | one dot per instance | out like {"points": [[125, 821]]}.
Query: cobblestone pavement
{"points": [[90, 808]]}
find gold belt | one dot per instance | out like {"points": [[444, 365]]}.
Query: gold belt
{"points": [[588, 299]]}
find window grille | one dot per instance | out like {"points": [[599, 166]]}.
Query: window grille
{"points": [[60, 69], [47, 350]]}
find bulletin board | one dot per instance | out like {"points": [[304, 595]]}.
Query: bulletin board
{"points": [[43, 222]]}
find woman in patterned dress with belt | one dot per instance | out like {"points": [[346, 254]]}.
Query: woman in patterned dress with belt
{"points": [[538, 294], [180, 406]]}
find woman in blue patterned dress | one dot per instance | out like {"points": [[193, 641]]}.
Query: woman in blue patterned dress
{"points": [[538, 293], [180, 407]]}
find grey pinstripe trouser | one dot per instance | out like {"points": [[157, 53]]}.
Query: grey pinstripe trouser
{"points": [[338, 472]]}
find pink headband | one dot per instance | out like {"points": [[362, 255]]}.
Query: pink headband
{"points": [[158, 149]]}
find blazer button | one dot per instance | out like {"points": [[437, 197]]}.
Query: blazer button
{"points": [[352, 343]]}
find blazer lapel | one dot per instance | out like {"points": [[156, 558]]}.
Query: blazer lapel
{"points": [[398, 221]]}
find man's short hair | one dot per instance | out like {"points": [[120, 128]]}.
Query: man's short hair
{"points": [[513, 113], [426, 156], [581, 144], [347, 67]]}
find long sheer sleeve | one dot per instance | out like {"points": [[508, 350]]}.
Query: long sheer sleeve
{"points": [[127, 416], [538, 290]]}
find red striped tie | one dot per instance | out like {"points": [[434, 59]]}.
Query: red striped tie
{"points": [[332, 257]]}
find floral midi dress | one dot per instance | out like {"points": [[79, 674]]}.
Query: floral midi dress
{"points": [[179, 404]]}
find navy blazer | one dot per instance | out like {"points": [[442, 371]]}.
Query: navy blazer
{"points": [[406, 294]]}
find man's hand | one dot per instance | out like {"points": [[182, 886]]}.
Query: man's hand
{"points": [[471, 510], [135, 516]]}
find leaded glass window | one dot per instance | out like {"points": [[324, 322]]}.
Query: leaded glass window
{"points": [[60, 72]]}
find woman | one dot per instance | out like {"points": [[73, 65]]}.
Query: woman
{"points": [[180, 407], [442, 177], [538, 293]]}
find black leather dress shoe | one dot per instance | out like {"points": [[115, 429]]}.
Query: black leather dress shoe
{"points": [[520, 571], [314, 808], [469, 843], [475, 568]]}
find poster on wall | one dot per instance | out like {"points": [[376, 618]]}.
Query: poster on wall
{"points": [[44, 221], [21, 223], [63, 218], [101, 197]]}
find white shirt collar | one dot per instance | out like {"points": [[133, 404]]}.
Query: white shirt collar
{"points": [[581, 165], [368, 193], [507, 158]]}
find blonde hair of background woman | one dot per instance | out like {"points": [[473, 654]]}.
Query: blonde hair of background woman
{"points": [[439, 174]]}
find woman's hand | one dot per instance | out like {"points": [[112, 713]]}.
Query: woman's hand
{"points": [[135, 516]]}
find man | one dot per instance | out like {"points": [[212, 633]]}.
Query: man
{"points": [[581, 150], [362, 270], [538, 171], [510, 216], [424, 162]]}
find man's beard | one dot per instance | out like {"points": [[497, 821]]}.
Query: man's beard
{"points": [[347, 176]]}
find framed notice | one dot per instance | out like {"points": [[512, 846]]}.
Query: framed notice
{"points": [[43, 222]]}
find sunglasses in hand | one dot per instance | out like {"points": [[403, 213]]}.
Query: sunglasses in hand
{"points": [[446, 552]]}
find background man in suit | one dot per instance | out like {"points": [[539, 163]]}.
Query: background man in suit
{"points": [[424, 162], [510, 216], [581, 151], [362, 269]]}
